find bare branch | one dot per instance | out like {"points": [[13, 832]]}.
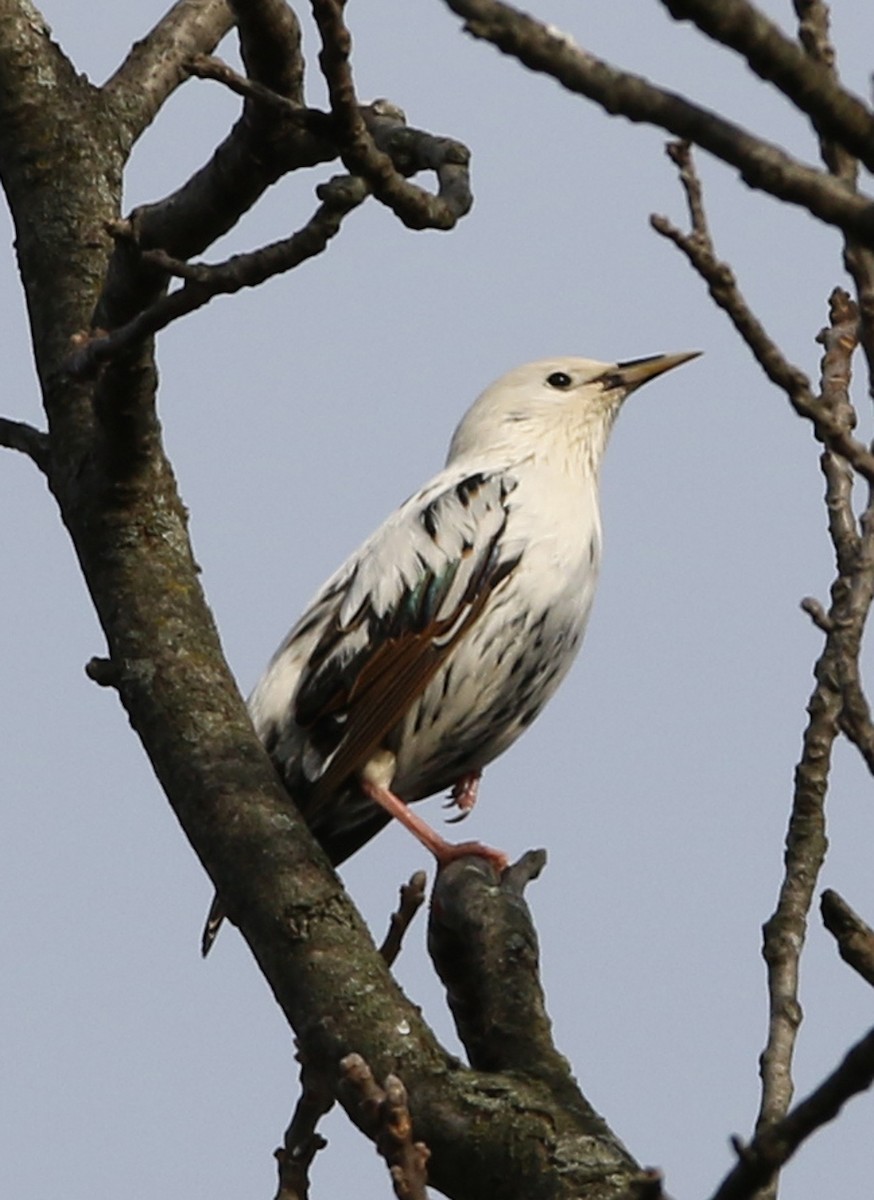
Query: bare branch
{"points": [[414, 206], [270, 45], [412, 899], [810, 84], [785, 931], [202, 283], [761, 164], [833, 420], [773, 1147], [829, 426], [207, 66], [302, 1143], [385, 1117], [104, 672], [16, 435], [155, 66], [854, 937], [813, 33], [472, 920]]}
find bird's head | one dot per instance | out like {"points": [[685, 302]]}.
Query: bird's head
{"points": [[569, 401]]}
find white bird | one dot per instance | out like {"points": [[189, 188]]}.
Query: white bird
{"points": [[440, 640]]}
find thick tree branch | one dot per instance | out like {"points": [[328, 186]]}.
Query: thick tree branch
{"points": [[771, 1149], [155, 66], [761, 164], [16, 435], [812, 87]]}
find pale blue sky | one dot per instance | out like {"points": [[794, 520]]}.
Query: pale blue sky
{"points": [[659, 779]]}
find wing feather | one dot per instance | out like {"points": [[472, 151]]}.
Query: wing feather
{"points": [[414, 591]]}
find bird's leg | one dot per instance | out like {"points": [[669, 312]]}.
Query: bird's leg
{"points": [[463, 795], [445, 852]]}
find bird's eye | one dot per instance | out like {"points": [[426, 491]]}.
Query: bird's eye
{"points": [[559, 379]]}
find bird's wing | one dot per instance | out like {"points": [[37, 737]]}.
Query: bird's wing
{"points": [[397, 611]]}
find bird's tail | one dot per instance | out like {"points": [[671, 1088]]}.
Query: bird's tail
{"points": [[213, 924]]}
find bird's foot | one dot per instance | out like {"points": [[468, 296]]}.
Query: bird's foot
{"points": [[463, 796], [445, 852], [450, 851]]}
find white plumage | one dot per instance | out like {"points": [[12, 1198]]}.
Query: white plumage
{"points": [[431, 649]]}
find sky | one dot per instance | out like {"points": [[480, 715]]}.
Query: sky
{"points": [[659, 778]]}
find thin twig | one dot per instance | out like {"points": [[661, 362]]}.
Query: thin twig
{"points": [[385, 1117], [760, 1160], [208, 66], [202, 282], [829, 426], [814, 35], [854, 937], [785, 931], [415, 207], [302, 1143], [412, 897], [17, 435]]}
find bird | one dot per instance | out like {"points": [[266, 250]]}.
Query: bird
{"points": [[437, 643]]}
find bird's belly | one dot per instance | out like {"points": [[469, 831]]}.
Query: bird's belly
{"points": [[488, 691]]}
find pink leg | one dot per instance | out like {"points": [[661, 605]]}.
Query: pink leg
{"points": [[463, 795], [445, 852]]}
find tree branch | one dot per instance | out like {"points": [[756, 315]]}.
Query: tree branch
{"points": [[302, 1143], [202, 283], [854, 937], [771, 1149], [411, 900], [761, 164], [155, 66], [385, 1117], [813, 33], [16, 435], [812, 87], [414, 206], [270, 46], [829, 425]]}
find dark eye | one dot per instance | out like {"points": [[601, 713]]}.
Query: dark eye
{"points": [[559, 379]]}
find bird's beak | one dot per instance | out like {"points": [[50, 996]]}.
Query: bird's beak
{"points": [[637, 371]]}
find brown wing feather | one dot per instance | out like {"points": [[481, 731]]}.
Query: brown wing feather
{"points": [[399, 671]]}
